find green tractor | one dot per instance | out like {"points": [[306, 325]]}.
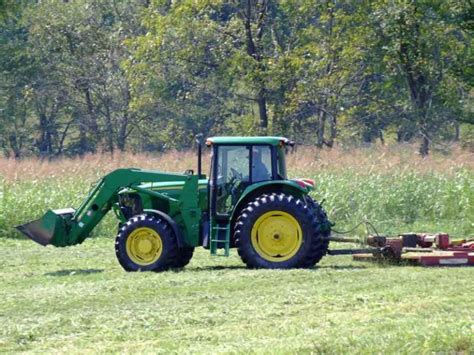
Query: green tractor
{"points": [[247, 203]]}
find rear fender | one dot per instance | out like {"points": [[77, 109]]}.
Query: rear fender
{"points": [[266, 187]]}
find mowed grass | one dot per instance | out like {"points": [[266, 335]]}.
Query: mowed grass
{"points": [[78, 299]]}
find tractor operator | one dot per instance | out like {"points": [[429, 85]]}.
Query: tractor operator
{"points": [[259, 169]]}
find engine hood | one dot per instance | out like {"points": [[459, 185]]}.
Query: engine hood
{"points": [[168, 186]]}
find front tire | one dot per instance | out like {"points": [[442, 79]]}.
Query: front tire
{"points": [[279, 231], [146, 243]]}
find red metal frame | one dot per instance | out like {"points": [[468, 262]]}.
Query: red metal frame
{"points": [[430, 250]]}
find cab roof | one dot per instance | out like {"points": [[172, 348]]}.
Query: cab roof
{"points": [[248, 140]]}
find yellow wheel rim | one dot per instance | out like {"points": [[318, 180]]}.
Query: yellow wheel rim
{"points": [[144, 246], [276, 236]]}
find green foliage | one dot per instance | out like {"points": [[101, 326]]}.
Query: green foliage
{"points": [[88, 75], [67, 72], [422, 47], [467, 136]]}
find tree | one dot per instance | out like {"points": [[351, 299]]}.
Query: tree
{"points": [[225, 49], [15, 70], [422, 48], [80, 86], [327, 63], [104, 75]]}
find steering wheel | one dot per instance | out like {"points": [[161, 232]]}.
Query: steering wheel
{"points": [[235, 175]]}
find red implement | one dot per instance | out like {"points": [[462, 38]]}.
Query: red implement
{"points": [[425, 250]]}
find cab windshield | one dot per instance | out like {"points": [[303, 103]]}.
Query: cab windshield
{"points": [[237, 167]]}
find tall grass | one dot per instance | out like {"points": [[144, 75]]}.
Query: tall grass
{"points": [[78, 299], [389, 186], [400, 201]]}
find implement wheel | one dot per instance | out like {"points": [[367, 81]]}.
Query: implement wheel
{"points": [[146, 243], [279, 231]]}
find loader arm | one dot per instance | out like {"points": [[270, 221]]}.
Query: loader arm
{"points": [[69, 227]]}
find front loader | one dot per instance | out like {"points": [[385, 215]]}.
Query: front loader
{"points": [[247, 203]]}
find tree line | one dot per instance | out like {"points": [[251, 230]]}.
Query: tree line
{"points": [[82, 76]]}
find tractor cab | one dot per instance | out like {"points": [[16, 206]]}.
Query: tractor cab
{"points": [[237, 165]]}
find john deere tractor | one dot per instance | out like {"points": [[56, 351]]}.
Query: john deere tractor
{"points": [[247, 203]]}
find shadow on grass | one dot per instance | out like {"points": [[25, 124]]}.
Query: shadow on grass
{"points": [[339, 267], [72, 272], [242, 267], [211, 268]]}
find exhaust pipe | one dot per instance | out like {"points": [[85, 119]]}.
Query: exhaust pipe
{"points": [[53, 228]]}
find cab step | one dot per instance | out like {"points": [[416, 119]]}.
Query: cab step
{"points": [[217, 242]]}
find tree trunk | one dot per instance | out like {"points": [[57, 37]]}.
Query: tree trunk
{"points": [[109, 129], [122, 134], [45, 144], [332, 131], [262, 110], [252, 51], [123, 130], [457, 131], [15, 146], [320, 129], [421, 91], [92, 126], [425, 137], [381, 137], [63, 138], [425, 146], [83, 142]]}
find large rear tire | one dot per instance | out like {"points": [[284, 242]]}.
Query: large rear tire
{"points": [[183, 258], [146, 243], [279, 231], [319, 250]]}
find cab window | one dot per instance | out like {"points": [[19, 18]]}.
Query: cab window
{"points": [[261, 163], [281, 167], [232, 175]]}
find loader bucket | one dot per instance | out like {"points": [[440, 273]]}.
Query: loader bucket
{"points": [[52, 228]]}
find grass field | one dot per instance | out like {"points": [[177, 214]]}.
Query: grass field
{"points": [[79, 300]]}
